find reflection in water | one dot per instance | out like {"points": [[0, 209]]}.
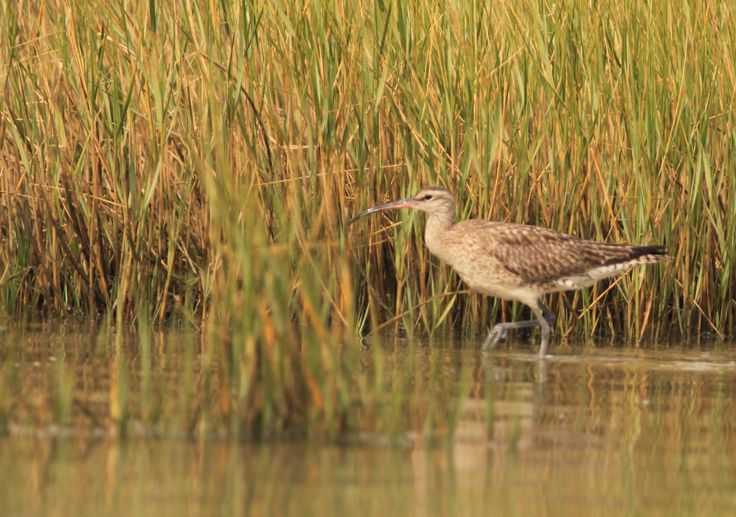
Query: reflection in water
{"points": [[596, 430]]}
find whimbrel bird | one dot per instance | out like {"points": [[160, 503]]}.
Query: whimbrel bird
{"points": [[516, 261]]}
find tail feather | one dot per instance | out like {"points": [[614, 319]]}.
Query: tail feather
{"points": [[639, 255], [621, 262], [607, 260], [656, 250]]}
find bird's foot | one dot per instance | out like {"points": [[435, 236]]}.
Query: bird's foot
{"points": [[496, 334]]}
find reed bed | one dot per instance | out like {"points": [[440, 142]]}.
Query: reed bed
{"points": [[196, 162]]}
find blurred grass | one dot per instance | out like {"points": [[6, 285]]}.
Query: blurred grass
{"points": [[195, 162]]}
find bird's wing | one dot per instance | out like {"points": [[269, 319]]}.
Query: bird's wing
{"points": [[538, 255]]}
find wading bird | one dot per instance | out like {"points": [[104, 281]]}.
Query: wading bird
{"points": [[516, 261]]}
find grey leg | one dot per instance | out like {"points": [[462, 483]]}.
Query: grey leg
{"points": [[546, 329], [499, 331], [550, 316]]}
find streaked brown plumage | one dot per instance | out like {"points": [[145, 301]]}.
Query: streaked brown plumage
{"points": [[517, 261]]}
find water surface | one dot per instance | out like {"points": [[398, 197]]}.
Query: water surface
{"points": [[593, 429]]}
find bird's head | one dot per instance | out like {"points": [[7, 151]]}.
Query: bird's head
{"points": [[432, 200]]}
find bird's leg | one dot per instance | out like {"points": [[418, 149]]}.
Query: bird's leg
{"points": [[550, 316], [539, 312], [499, 331]]}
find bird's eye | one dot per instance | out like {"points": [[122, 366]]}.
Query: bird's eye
{"points": [[427, 197]]}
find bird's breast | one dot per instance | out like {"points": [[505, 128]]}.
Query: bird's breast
{"points": [[479, 268]]}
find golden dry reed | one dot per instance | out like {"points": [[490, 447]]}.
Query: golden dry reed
{"points": [[203, 157]]}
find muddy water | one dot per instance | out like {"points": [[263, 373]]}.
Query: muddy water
{"points": [[593, 430]]}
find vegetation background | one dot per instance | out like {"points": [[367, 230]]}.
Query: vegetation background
{"points": [[197, 161], [157, 151]]}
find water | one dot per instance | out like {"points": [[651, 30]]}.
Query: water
{"points": [[592, 430]]}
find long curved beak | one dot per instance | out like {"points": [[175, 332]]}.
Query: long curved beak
{"points": [[393, 205]]}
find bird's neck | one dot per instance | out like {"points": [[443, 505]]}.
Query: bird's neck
{"points": [[437, 224]]}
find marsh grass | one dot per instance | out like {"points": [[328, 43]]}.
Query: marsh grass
{"points": [[195, 163]]}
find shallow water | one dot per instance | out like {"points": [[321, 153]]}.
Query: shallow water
{"points": [[593, 429]]}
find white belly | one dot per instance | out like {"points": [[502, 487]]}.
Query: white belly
{"points": [[489, 282]]}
